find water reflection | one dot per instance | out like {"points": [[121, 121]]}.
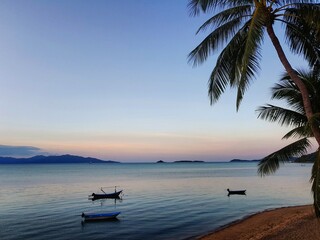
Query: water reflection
{"points": [[33, 197]]}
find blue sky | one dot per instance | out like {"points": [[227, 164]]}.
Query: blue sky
{"points": [[110, 79]]}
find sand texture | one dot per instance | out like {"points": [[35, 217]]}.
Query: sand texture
{"points": [[290, 223]]}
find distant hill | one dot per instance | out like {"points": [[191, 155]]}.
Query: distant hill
{"points": [[309, 158], [240, 160], [51, 159], [189, 161], [182, 161]]}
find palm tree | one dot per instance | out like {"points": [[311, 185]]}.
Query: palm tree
{"points": [[295, 117], [239, 26]]}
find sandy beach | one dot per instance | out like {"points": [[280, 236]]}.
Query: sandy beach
{"points": [[294, 223]]}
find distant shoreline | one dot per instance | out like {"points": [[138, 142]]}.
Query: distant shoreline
{"points": [[67, 158], [70, 159]]}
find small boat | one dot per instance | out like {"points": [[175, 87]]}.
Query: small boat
{"points": [[104, 195], [236, 192], [115, 195], [100, 216]]}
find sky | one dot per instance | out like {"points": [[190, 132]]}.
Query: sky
{"points": [[111, 79]]}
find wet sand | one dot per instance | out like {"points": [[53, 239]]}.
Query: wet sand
{"points": [[290, 223]]}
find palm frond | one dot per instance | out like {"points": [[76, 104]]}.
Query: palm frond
{"points": [[271, 163], [226, 16], [251, 56], [213, 41], [227, 69], [307, 13], [303, 30], [197, 6], [315, 119], [286, 88], [288, 91], [299, 132], [315, 188], [300, 42], [281, 115]]}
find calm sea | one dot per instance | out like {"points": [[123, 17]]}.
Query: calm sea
{"points": [[161, 201]]}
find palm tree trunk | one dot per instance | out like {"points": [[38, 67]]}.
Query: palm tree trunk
{"points": [[296, 80], [315, 178]]}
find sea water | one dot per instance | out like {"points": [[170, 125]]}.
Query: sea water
{"points": [[160, 201]]}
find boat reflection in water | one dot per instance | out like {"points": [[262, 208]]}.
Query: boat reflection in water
{"points": [[102, 216]]}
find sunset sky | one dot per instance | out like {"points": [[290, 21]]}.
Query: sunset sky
{"points": [[110, 79]]}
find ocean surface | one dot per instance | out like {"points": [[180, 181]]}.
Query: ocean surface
{"points": [[160, 201]]}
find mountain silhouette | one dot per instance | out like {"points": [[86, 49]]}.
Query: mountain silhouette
{"points": [[52, 159]]}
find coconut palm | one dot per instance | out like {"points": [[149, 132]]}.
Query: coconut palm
{"points": [[238, 27], [295, 117]]}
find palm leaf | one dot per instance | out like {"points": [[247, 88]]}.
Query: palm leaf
{"points": [[227, 69], [306, 12], [302, 30], [251, 55], [281, 115], [197, 6], [226, 16], [288, 91], [299, 132], [271, 163], [213, 41], [315, 119], [300, 42]]}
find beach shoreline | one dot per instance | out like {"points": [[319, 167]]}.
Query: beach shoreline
{"points": [[294, 223]]}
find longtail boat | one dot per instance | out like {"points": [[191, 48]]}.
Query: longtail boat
{"points": [[104, 195], [236, 192]]}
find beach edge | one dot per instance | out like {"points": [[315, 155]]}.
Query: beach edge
{"points": [[271, 221]]}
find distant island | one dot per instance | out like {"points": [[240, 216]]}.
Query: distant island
{"points": [[240, 160], [52, 159], [189, 161], [182, 161]]}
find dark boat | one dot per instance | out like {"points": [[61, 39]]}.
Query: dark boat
{"points": [[115, 195], [236, 192], [100, 216], [104, 195]]}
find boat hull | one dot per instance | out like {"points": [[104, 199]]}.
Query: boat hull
{"points": [[236, 192]]}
